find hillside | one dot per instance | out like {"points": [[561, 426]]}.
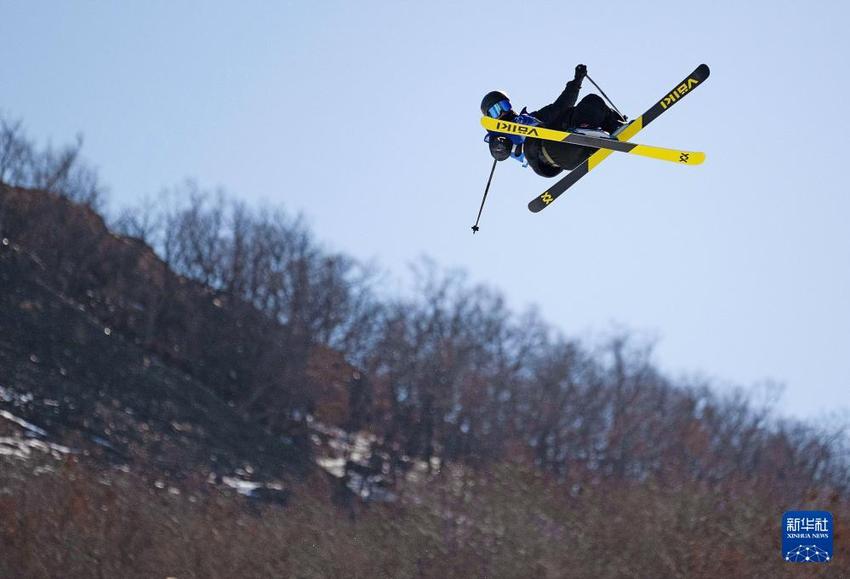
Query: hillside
{"points": [[96, 391], [140, 393]]}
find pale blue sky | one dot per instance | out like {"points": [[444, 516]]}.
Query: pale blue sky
{"points": [[364, 116]]}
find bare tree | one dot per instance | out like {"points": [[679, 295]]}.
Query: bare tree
{"points": [[15, 152], [57, 171]]}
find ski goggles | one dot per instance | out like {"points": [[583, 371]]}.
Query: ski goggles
{"points": [[500, 107]]}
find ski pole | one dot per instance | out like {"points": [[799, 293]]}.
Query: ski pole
{"points": [[486, 189], [613, 106]]}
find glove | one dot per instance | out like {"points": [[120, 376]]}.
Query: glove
{"points": [[581, 72], [500, 147]]}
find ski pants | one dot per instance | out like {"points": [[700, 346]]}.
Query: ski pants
{"points": [[590, 112]]}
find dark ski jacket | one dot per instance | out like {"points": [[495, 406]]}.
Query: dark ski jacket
{"points": [[558, 116]]}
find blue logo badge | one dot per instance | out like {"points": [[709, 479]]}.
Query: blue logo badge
{"points": [[807, 536]]}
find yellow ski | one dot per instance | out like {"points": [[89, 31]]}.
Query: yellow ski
{"points": [[681, 90], [528, 131]]}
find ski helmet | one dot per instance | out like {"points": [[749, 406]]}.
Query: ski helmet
{"points": [[495, 103]]}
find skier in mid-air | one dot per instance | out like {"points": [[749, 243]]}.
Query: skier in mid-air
{"points": [[575, 137], [545, 157]]}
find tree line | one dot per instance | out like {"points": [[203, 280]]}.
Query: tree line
{"points": [[248, 300]]}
